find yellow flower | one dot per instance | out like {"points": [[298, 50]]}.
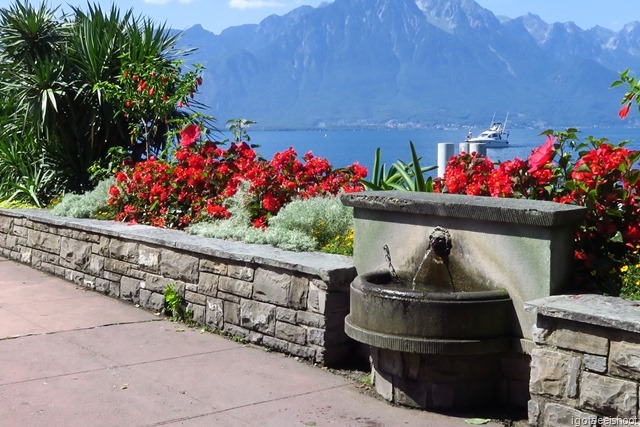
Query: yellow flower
{"points": [[624, 268]]}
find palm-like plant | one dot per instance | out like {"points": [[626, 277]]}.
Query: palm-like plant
{"points": [[53, 71], [31, 76]]}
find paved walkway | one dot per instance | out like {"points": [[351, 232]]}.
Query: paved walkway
{"points": [[72, 357]]}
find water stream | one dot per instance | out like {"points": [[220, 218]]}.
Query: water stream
{"points": [[415, 276]]}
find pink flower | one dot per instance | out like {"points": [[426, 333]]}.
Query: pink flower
{"points": [[189, 135], [541, 156]]}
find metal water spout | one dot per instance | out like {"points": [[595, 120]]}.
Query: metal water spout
{"points": [[440, 244]]}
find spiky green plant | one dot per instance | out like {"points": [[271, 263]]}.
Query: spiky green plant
{"points": [[401, 175]]}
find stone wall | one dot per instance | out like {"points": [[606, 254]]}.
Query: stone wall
{"points": [[585, 369], [291, 302]]}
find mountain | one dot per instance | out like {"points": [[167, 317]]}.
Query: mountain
{"points": [[412, 63]]}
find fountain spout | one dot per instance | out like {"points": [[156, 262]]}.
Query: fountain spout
{"points": [[440, 243]]}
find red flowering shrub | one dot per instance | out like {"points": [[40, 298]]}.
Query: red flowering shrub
{"points": [[196, 184], [603, 179], [631, 95]]}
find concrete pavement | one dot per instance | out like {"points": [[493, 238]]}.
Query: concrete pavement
{"points": [[73, 357]]}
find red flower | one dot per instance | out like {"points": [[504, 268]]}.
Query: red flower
{"points": [[114, 191], [260, 222], [541, 156], [270, 203], [624, 110], [121, 177], [216, 210], [632, 233], [189, 135]]}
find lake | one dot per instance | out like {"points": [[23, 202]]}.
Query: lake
{"points": [[344, 147]]}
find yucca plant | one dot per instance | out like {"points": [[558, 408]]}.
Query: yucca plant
{"points": [[401, 175], [53, 71], [26, 172]]}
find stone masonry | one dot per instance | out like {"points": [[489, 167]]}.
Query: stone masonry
{"points": [[585, 369], [291, 302]]}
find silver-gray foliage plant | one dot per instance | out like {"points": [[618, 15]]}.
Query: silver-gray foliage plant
{"points": [[85, 205], [291, 229]]}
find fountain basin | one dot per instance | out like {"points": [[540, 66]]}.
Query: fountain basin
{"points": [[396, 317]]}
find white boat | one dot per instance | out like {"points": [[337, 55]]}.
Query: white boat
{"points": [[495, 136]]}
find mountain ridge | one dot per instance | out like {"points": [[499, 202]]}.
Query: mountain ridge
{"points": [[411, 63]]}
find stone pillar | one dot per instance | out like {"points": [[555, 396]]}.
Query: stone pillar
{"points": [[445, 151], [478, 147]]}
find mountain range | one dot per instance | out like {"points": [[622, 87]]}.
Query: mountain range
{"points": [[412, 63]]}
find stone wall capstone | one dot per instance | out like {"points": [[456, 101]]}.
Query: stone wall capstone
{"points": [[585, 369]]}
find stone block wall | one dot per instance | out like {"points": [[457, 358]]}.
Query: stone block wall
{"points": [[292, 302], [585, 369], [452, 382]]}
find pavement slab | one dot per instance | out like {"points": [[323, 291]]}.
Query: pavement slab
{"points": [[72, 357]]}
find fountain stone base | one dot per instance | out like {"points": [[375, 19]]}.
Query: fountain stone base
{"points": [[431, 349], [438, 382], [452, 351], [399, 318]]}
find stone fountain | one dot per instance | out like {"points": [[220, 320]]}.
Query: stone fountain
{"points": [[440, 294]]}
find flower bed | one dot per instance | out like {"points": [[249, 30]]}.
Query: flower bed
{"points": [[203, 177]]}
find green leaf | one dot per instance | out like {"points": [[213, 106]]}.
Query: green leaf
{"points": [[617, 238], [429, 185], [625, 74], [408, 180], [377, 167], [477, 421], [417, 174]]}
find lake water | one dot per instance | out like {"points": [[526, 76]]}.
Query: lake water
{"points": [[344, 147]]}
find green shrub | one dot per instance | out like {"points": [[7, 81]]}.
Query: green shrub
{"points": [[92, 204]]}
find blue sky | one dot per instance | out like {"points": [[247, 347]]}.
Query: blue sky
{"points": [[215, 15]]}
